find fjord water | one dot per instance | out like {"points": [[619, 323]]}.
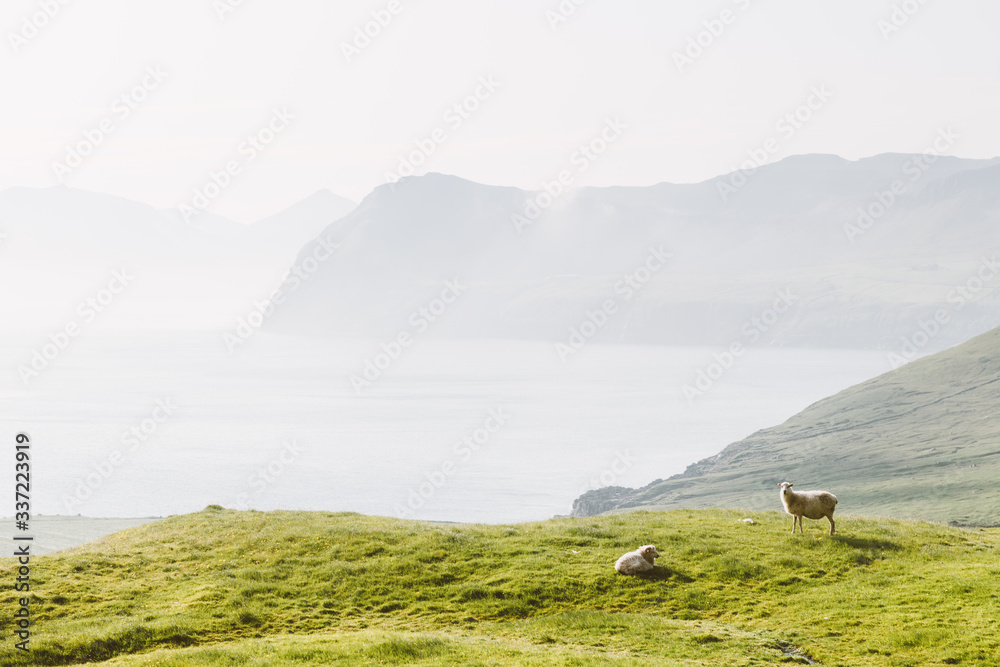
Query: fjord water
{"points": [[154, 425]]}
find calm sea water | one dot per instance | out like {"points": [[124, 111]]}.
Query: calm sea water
{"points": [[455, 431]]}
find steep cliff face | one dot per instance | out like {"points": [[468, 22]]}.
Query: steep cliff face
{"points": [[607, 499], [804, 254]]}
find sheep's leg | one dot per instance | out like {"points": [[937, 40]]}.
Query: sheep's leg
{"points": [[832, 525]]}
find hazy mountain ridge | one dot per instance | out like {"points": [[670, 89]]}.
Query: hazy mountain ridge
{"points": [[919, 442], [787, 228], [79, 223], [61, 244], [303, 220], [797, 226]]}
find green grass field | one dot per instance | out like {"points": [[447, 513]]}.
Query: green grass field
{"points": [[222, 587]]}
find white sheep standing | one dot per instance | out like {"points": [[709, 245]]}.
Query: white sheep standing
{"points": [[640, 560], [811, 504]]}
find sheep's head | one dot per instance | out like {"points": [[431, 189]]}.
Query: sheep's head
{"points": [[785, 487], [649, 553]]}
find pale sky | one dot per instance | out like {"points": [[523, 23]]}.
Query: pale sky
{"points": [[344, 125]]}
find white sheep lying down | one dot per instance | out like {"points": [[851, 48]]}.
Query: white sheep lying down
{"points": [[810, 504], [640, 560]]}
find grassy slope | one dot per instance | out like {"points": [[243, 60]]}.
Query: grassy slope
{"points": [[920, 442], [222, 587]]}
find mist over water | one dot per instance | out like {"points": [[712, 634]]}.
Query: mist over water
{"points": [[483, 431], [421, 356]]}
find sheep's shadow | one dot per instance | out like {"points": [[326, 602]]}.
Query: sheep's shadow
{"points": [[866, 543], [664, 573]]}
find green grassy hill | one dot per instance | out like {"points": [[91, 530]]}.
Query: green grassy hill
{"points": [[919, 442], [222, 587]]}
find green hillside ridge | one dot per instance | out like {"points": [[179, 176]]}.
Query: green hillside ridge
{"points": [[222, 587], [919, 442]]}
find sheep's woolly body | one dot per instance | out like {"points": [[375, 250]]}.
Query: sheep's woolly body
{"points": [[640, 560], [809, 504]]}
